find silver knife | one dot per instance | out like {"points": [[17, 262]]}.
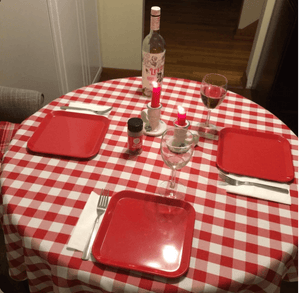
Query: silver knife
{"points": [[85, 109]]}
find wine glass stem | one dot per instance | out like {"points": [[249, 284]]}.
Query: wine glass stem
{"points": [[207, 118], [173, 177]]}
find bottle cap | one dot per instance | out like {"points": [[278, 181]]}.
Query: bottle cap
{"points": [[155, 10], [135, 124]]}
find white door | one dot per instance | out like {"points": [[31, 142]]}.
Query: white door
{"points": [[26, 50], [74, 26], [49, 45]]}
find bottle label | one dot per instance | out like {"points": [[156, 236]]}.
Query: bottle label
{"points": [[135, 143], [153, 70]]}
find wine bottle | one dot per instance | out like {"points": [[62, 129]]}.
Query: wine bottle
{"points": [[153, 54]]}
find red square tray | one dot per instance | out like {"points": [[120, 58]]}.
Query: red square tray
{"points": [[146, 233], [69, 134], [255, 154]]}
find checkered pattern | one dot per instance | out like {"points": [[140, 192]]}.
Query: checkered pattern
{"points": [[240, 244], [7, 132]]}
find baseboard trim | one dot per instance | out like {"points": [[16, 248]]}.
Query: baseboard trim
{"points": [[113, 73]]}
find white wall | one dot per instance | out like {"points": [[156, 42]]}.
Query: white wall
{"points": [[121, 32], [251, 12], [259, 39]]}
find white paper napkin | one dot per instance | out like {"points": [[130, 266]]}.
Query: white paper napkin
{"points": [[258, 192], [82, 230], [88, 106]]}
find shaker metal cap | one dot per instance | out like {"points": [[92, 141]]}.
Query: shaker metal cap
{"points": [[135, 124]]}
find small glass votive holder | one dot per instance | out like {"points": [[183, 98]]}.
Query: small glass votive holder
{"points": [[186, 126]]}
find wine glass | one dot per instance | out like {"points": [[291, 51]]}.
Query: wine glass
{"points": [[176, 148], [213, 91]]}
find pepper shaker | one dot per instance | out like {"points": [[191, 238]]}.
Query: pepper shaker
{"points": [[135, 135]]}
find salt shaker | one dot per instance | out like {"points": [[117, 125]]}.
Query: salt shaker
{"points": [[135, 135]]}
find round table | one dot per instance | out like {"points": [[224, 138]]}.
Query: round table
{"points": [[240, 244]]}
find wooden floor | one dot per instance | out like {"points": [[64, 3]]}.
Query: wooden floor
{"points": [[199, 37]]}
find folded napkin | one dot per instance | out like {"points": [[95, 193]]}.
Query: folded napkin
{"points": [[258, 192], [87, 106], [83, 229]]}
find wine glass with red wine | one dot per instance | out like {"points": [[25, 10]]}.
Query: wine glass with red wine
{"points": [[213, 91]]}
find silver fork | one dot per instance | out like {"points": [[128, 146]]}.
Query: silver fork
{"points": [[101, 207], [85, 109], [235, 182]]}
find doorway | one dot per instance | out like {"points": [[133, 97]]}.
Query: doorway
{"points": [[200, 38]]}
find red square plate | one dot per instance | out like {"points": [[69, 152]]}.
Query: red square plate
{"points": [[69, 134], [146, 233], [255, 154]]}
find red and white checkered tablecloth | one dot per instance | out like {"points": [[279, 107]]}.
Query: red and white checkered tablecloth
{"points": [[240, 244]]}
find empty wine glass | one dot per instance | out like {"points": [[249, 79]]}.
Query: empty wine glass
{"points": [[213, 91], [176, 148]]}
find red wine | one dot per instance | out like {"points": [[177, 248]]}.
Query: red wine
{"points": [[212, 96]]}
